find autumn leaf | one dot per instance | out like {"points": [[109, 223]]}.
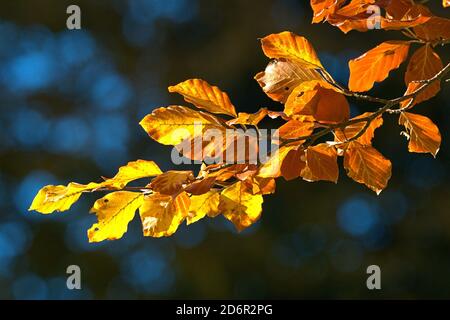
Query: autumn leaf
{"points": [[272, 167], [203, 205], [293, 164], [434, 30], [294, 129], [424, 64], [282, 76], [201, 186], [321, 164], [323, 8], [161, 215], [205, 96], [423, 134], [174, 124], [240, 206], [287, 45], [132, 171], [171, 182], [249, 118], [351, 131], [366, 165], [446, 3], [375, 65], [114, 211], [59, 198], [319, 100]]}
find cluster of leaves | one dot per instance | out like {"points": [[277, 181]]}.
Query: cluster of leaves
{"points": [[315, 108]]}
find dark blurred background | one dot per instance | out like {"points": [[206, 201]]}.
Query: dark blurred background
{"points": [[71, 102]]}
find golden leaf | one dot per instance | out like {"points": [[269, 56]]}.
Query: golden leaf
{"points": [[205, 96], [323, 8], [60, 198], [174, 124], [366, 165], [203, 205], [424, 135], [240, 206], [375, 65], [282, 76], [161, 215], [288, 45], [132, 171], [114, 211], [272, 167]]}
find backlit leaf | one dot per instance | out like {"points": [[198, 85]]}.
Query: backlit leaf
{"points": [[352, 130], [249, 118], [174, 124], [321, 164], [114, 211], [60, 198], [133, 171], [424, 135], [375, 65], [205, 96], [294, 129], [366, 165], [171, 182], [161, 215], [240, 206], [290, 46], [204, 205], [282, 76]]}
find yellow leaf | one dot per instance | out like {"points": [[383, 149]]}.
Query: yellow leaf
{"points": [[282, 76], [290, 46], [203, 205], [424, 64], [424, 135], [366, 165], [240, 206], [114, 211], [375, 65], [174, 124], [171, 182], [352, 130], [205, 96], [161, 215], [132, 171], [446, 3], [321, 164], [60, 198]]}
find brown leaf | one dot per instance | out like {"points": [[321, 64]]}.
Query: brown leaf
{"points": [[171, 182], [321, 164]]}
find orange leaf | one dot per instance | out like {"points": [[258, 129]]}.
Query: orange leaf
{"points": [[352, 130], [424, 64], [435, 29], [205, 96], [294, 129], [375, 65], [424, 135], [322, 8], [201, 186], [293, 164], [290, 46], [249, 118], [282, 76], [321, 164], [319, 100], [366, 165], [272, 167], [446, 3]]}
